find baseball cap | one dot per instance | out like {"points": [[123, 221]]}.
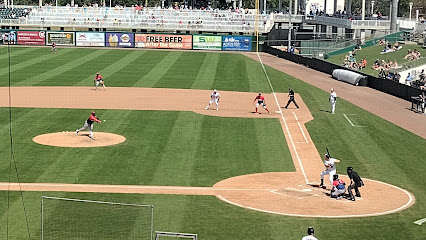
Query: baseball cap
{"points": [[93, 113]]}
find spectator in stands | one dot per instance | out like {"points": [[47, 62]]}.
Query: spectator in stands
{"points": [[396, 77], [409, 78], [389, 76], [382, 73], [381, 42], [376, 65], [362, 64], [422, 76]]}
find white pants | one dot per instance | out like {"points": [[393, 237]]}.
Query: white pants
{"points": [[330, 174], [261, 104], [337, 193], [333, 106], [86, 125], [215, 101], [101, 82]]}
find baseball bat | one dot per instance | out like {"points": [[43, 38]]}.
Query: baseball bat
{"points": [[328, 153]]}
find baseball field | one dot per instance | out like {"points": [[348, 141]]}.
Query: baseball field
{"points": [[156, 101]]}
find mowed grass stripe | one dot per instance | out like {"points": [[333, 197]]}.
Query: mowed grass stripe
{"points": [[207, 72], [53, 73], [183, 72], [132, 71], [14, 52], [32, 61], [75, 72], [231, 73], [159, 70], [179, 154], [280, 156], [112, 68]]}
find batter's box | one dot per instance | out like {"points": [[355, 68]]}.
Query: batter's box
{"points": [[352, 120], [295, 193]]}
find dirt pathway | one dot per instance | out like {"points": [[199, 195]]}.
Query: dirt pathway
{"points": [[279, 193]]}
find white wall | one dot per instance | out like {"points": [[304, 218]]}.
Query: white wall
{"points": [[320, 5]]}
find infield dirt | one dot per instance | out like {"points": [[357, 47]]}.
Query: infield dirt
{"points": [[280, 193]]}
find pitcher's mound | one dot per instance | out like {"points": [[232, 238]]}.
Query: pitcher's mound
{"points": [[69, 139]]}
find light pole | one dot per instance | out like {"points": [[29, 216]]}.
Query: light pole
{"points": [[411, 8], [372, 7]]}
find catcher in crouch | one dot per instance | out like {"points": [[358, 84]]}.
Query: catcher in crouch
{"points": [[99, 80]]}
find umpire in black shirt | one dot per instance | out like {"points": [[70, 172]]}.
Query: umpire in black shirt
{"points": [[356, 182], [291, 96]]}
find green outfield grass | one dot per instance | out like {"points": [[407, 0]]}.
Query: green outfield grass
{"points": [[372, 53], [175, 148]]}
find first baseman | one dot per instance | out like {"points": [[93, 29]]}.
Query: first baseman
{"points": [[261, 101], [99, 79], [330, 169], [333, 99], [89, 123], [214, 97]]}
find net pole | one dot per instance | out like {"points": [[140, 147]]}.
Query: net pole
{"points": [[256, 25], [42, 198]]}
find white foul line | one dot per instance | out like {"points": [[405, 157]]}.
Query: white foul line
{"points": [[285, 123], [351, 121], [348, 120], [419, 222], [298, 123]]}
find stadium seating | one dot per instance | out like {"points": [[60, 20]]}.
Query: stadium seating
{"points": [[13, 13], [148, 18]]}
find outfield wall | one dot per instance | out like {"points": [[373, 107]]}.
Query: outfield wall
{"points": [[129, 40]]}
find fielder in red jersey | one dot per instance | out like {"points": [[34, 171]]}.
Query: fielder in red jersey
{"points": [[261, 101], [89, 124]]}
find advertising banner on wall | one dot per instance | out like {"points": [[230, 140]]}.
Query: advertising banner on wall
{"points": [[119, 39], [31, 37], [169, 41], [207, 42], [236, 43], [96, 39], [60, 38], [8, 37]]}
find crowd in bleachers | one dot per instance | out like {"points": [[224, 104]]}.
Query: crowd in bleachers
{"points": [[171, 18], [13, 13]]}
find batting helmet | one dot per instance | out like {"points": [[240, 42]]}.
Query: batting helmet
{"points": [[310, 230], [335, 177]]}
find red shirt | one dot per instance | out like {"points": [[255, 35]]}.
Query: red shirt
{"points": [[98, 77], [92, 119], [260, 99], [53, 44]]}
